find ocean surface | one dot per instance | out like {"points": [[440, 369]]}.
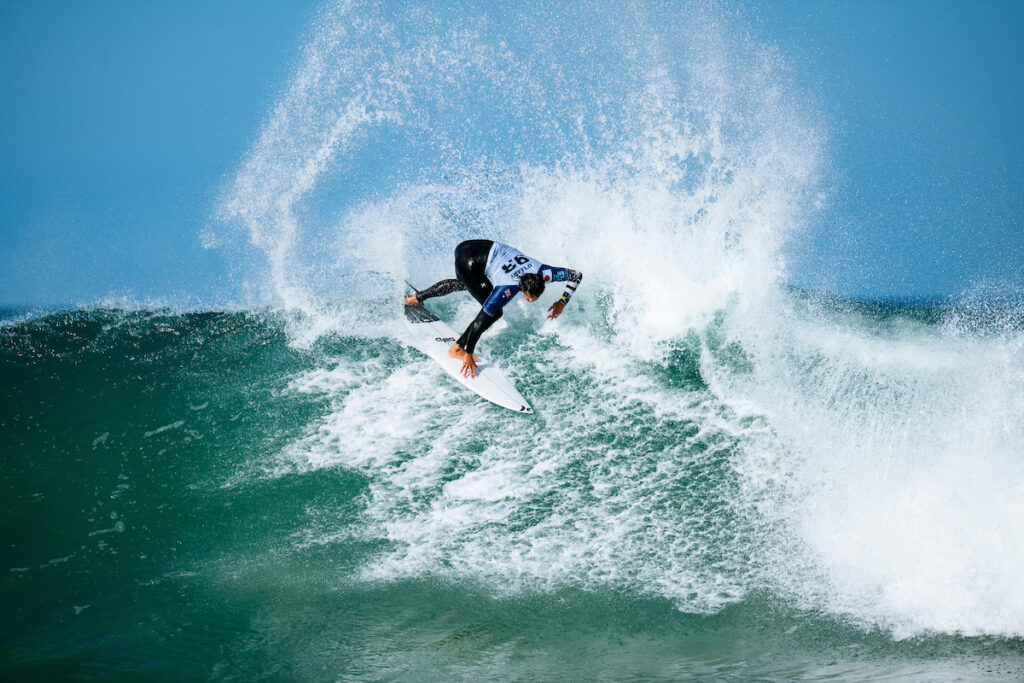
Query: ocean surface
{"points": [[188, 496], [726, 477]]}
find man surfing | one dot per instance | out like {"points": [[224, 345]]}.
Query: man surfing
{"points": [[494, 273]]}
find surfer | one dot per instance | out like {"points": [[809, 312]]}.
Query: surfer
{"points": [[494, 273]]}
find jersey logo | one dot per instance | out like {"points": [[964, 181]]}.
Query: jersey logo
{"points": [[512, 263]]}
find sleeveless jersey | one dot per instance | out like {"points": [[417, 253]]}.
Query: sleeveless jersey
{"points": [[505, 265]]}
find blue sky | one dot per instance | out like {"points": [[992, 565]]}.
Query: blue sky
{"points": [[925, 106], [123, 121]]}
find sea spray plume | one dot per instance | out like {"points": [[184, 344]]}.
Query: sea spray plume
{"points": [[671, 175], [726, 436], [317, 116], [468, 112], [356, 74], [694, 208]]}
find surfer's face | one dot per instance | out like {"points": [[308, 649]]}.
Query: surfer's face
{"points": [[529, 297]]}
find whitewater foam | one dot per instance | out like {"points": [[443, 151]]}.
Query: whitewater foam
{"points": [[862, 466], [905, 487]]}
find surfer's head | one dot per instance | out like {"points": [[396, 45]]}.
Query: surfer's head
{"points": [[532, 285]]}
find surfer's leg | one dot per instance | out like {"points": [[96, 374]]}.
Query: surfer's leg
{"points": [[470, 266], [440, 289], [470, 263]]}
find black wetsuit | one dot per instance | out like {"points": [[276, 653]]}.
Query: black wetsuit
{"points": [[473, 262]]}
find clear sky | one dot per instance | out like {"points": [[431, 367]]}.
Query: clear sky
{"points": [[122, 121], [925, 104]]}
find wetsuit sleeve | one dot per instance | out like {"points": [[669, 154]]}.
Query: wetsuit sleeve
{"points": [[573, 277], [479, 325], [490, 312]]}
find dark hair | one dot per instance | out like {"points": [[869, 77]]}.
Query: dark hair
{"points": [[532, 283]]}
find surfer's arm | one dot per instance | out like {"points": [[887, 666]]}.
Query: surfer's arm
{"points": [[572, 277], [489, 312], [471, 336]]}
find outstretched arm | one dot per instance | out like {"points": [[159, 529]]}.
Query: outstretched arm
{"points": [[564, 274], [489, 313]]}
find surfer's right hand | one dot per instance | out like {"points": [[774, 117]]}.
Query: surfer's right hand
{"points": [[469, 368], [411, 300]]}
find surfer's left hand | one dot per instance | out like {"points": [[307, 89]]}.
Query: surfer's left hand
{"points": [[555, 310]]}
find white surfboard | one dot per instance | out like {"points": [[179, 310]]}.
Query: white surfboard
{"points": [[431, 336]]}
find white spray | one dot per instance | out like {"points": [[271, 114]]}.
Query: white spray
{"points": [[871, 469]]}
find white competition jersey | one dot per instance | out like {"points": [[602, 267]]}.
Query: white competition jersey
{"points": [[505, 265]]}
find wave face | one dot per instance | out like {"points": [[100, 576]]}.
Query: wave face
{"points": [[723, 477], [191, 495]]}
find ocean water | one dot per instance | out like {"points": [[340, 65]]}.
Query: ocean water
{"points": [[725, 477], [187, 495]]}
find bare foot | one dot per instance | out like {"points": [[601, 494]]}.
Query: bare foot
{"points": [[411, 300]]}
